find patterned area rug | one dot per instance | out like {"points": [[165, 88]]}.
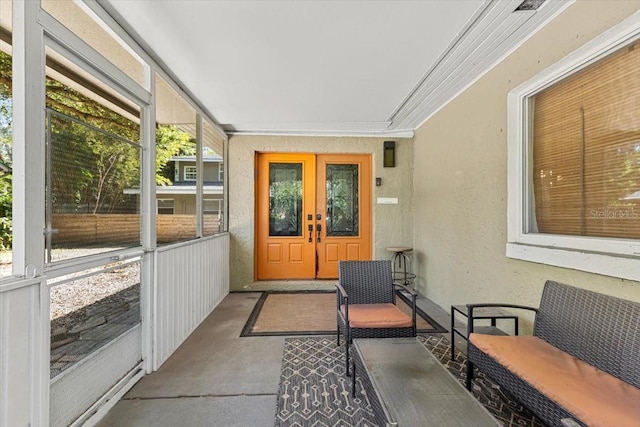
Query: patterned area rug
{"points": [[314, 391]]}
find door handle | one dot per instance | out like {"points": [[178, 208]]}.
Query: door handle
{"points": [[310, 228], [318, 229]]}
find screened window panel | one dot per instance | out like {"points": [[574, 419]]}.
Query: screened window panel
{"points": [[91, 308], [175, 156], [89, 172], [93, 166], [586, 150], [214, 203]]}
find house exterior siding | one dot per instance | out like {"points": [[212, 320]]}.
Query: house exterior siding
{"points": [[211, 170], [460, 178]]}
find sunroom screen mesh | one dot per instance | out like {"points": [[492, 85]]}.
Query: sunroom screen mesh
{"points": [[586, 150], [88, 173]]}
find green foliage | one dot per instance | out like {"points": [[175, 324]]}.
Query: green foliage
{"points": [[6, 142], [5, 212], [91, 169]]}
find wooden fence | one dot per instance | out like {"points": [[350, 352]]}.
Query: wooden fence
{"points": [[116, 229]]}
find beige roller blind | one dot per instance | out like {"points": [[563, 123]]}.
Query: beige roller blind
{"points": [[586, 150]]}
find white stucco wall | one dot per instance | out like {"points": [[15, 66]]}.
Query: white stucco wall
{"points": [[391, 223], [460, 178]]}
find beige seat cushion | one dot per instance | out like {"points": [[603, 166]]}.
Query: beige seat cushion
{"points": [[595, 397], [377, 316]]}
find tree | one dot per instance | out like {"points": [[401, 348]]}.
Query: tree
{"points": [[170, 142], [6, 140]]}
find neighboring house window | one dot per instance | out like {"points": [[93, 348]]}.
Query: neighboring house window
{"points": [[190, 173], [166, 206], [574, 161], [212, 206], [220, 171]]}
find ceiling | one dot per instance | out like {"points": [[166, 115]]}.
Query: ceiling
{"points": [[328, 67]]}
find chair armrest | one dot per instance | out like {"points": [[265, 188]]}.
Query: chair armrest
{"points": [[471, 307], [341, 292], [407, 289], [342, 298], [414, 295]]}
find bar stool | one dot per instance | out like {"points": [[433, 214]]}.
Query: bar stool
{"points": [[401, 265]]}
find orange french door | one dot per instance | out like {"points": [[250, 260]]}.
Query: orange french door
{"points": [[312, 211]]}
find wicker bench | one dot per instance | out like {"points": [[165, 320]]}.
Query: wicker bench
{"points": [[580, 367]]}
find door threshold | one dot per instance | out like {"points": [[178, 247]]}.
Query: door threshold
{"points": [[291, 285]]}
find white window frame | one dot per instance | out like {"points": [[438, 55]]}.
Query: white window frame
{"points": [[220, 171], [173, 206], [608, 256], [217, 202], [190, 170]]}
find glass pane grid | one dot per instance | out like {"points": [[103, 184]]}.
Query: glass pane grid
{"points": [[285, 199], [342, 200]]}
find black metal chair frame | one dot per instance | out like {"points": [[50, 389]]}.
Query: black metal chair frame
{"points": [[368, 282]]}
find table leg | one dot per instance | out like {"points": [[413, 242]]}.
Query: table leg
{"points": [[453, 355]]}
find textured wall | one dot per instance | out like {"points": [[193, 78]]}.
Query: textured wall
{"points": [[460, 178], [391, 223]]}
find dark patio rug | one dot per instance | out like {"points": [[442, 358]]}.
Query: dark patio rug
{"points": [[314, 391]]}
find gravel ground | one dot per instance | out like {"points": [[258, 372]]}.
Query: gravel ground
{"points": [[73, 295]]}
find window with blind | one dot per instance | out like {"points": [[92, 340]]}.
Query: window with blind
{"points": [[586, 150], [574, 159]]}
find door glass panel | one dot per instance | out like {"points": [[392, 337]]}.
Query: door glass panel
{"points": [[342, 200], [285, 199]]}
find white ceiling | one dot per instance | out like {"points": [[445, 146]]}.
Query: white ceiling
{"points": [[328, 67]]}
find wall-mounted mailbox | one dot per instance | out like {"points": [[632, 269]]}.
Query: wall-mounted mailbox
{"points": [[389, 154]]}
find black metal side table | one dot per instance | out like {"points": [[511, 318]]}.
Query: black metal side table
{"points": [[480, 313]]}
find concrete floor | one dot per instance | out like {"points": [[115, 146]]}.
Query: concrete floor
{"points": [[216, 378]]}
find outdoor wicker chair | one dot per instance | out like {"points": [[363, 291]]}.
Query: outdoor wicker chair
{"points": [[366, 304]]}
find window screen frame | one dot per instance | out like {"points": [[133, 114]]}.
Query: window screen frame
{"points": [[614, 257]]}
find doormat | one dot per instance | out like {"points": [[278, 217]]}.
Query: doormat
{"points": [[283, 313]]}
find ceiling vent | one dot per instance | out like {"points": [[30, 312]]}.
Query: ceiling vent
{"points": [[529, 5]]}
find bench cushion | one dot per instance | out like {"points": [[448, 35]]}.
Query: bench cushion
{"points": [[595, 397], [377, 316]]}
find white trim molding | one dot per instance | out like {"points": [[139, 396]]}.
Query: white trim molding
{"points": [[607, 256]]}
